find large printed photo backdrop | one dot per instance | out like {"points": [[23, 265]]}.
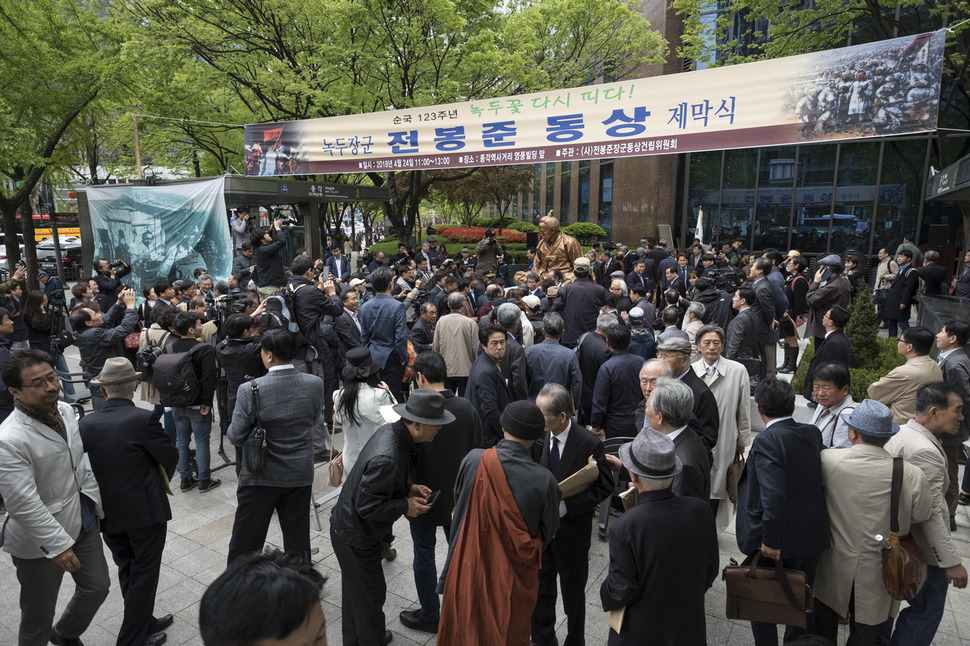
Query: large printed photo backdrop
{"points": [[162, 231]]}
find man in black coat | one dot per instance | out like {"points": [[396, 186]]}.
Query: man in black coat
{"points": [[933, 274], [764, 307], [565, 449], [108, 279], [437, 468], [836, 348], [488, 387], [781, 507], [267, 246], [901, 294], [132, 459], [593, 352], [742, 331], [347, 326], [676, 352], [962, 288], [579, 303], [668, 411], [422, 332], [663, 553]]}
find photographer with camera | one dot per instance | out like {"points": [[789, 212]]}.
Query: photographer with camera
{"points": [[487, 253], [101, 337], [267, 245], [108, 279], [240, 225]]}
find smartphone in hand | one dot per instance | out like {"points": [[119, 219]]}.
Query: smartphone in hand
{"points": [[432, 497]]}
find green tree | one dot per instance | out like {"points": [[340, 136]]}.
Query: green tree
{"points": [[762, 29], [57, 58], [863, 328]]}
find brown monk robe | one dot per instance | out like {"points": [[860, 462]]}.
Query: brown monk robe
{"points": [[506, 507], [556, 250]]}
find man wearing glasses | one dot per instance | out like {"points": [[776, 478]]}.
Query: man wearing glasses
{"points": [[53, 505]]}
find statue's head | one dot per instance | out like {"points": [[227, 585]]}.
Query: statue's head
{"points": [[549, 227]]}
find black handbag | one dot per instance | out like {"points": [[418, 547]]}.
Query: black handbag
{"points": [[254, 447]]}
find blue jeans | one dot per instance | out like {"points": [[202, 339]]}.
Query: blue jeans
{"points": [[895, 327], [168, 423], [917, 624], [61, 364], [188, 422], [425, 569]]}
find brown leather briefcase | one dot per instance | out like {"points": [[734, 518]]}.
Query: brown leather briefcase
{"points": [[771, 595]]}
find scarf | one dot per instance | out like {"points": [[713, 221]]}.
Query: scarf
{"points": [[51, 418]]}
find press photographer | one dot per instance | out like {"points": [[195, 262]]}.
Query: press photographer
{"points": [[267, 245], [487, 253], [108, 279], [101, 337]]}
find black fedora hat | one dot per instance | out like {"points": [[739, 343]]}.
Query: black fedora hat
{"points": [[360, 365], [425, 406]]}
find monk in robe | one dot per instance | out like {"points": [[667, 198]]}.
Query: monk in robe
{"points": [[507, 508]]}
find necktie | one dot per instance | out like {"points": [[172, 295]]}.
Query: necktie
{"points": [[710, 370], [554, 455]]}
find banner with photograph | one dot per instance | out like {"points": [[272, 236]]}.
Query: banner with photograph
{"points": [[889, 87], [162, 231]]}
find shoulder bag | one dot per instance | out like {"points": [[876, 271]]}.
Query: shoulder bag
{"points": [[772, 595], [254, 447], [903, 565]]}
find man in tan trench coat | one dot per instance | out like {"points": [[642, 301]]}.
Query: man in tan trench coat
{"points": [[857, 482]]}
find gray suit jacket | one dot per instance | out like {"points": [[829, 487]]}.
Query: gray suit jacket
{"points": [[956, 371], [289, 403]]}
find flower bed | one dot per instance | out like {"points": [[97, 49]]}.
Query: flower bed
{"points": [[472, 235]]}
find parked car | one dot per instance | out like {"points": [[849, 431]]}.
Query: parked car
{"points": [[3, 254], [70, 256]]}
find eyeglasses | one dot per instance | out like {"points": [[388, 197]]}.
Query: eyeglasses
{"points": [[51, 379]]}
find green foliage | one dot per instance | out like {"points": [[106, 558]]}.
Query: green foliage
{"points": [[863, 328], [524, 227], [798, 380], [585, 232]]}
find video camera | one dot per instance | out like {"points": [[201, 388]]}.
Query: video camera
{"points": [[219, 309], [725, 279]]}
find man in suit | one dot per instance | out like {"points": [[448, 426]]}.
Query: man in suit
{"points": [[488, 387], [640, 276], [384, 330], [939, 411], [608, 265], [422, 332], [593, 352], [742, 331], [956, 371], [830, 387], [437, 468], [675, 281], [897, 389], [897, 309], [579, 302], [347, 326], [548, 362], [781, 509], [677, 353], [962, 287], [764, 307], [286, 405], [836, 347], [53, 504], [127, 446], [617, 393], [663, 552], [827, 288], [668, 412], [339, 265], [933, 275], [565, 449]]}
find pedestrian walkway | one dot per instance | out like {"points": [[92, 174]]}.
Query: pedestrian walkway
{"points": [[198, 542]]}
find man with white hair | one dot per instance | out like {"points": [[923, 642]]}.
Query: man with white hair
{"points": [[668, 411], [693, 321]]}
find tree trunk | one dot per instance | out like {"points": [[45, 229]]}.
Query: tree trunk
{"points": [[30, 250]]}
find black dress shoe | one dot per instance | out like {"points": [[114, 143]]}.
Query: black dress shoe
{"points": [[412, 619], [160, 623], [64, 641], [388, 636], [964, 498], [156, 640], [953, 523]]}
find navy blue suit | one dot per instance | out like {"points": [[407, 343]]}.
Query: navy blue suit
{"points": [[384, 330], [341, 272]]}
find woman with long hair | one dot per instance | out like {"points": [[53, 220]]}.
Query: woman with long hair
{"points": [[37, 320], [796, 288], [357, 404]]}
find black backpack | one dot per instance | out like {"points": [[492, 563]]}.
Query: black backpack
{"points": [[146, 356], [174, 376]]}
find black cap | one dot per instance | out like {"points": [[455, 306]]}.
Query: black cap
{"points": [[523, 420]]}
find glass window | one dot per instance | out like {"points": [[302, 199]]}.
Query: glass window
{"points": [[605, 218], [737, 198], [703, 185], [583, 214], [813, 198], [776, 177], [537, 192], [900, 192], [854, 197], [938, 213], [564, 189], [550, 187]]}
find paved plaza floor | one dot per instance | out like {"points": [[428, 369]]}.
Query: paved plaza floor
{"points": [[198, 541]]}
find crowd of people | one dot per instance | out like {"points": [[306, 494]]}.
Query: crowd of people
{"points": [[510, 408]]}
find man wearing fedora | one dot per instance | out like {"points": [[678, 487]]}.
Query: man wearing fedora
{"points": [[507, 509], [663, 552], [286, 404], [378, 490], [126, 446], [858, 482]]}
